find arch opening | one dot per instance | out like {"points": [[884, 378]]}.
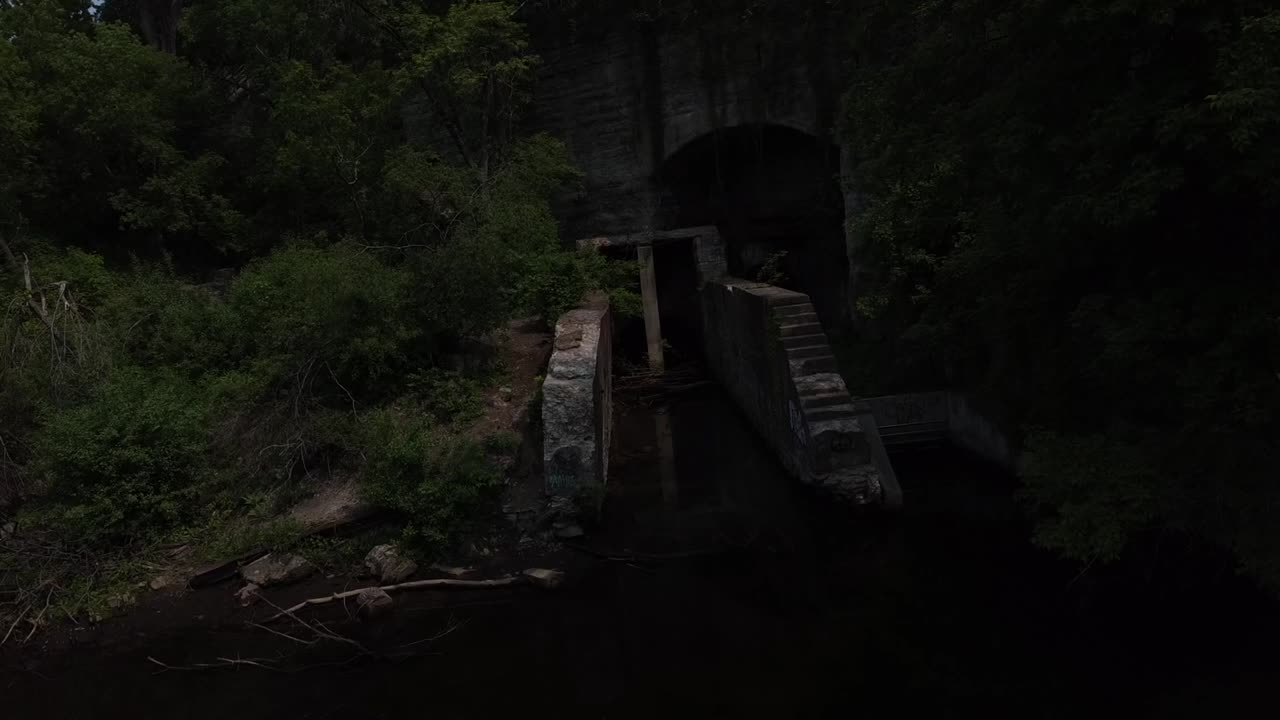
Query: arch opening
{"points": [[774, 194]]}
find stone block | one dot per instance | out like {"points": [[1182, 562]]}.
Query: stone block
{"points": [[790, 392], [577, 404]]}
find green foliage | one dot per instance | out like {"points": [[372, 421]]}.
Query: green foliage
{"points": [[450, 397], [334, 554], [125, 464], [474, 59], [772, 270], [100, 116], [229, 532], [359, 176], [502, 443], [334, 315], [163, 321], [435, 480], [1092, 493], [45, 366], [1072, 210], [557, 282]]}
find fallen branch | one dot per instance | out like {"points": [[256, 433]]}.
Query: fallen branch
{"points": [[223, 662], [414, 585], [15, 624], [318, 629]]}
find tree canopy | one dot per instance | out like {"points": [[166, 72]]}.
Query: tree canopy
{"points": [[1072, 207], [241, 242]]}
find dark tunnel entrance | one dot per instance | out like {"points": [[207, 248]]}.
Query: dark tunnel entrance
{"points": [[774, 194]]}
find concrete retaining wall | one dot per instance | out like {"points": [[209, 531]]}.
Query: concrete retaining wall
{"points": [[930, 417], [976, 431], [577, 405], [765, 345]]}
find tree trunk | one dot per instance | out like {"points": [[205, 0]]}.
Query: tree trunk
{"points": [[159, 22]]}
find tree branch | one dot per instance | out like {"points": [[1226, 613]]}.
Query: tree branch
{"points": [[414, 585]]}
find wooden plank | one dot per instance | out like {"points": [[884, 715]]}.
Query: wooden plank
{"points": [[648, 237], [649, 297]]}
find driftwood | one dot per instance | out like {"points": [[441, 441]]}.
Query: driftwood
{"points": [[413, 585]]}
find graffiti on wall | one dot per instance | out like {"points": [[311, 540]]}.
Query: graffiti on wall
{"points": [[563, 471], [798, 427]]}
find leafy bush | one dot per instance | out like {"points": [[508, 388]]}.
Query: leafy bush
{"points": [[42, 366], [433, 479], [161, 320], [557, 282], [333, 314], [450, 397], [1049, 248], [128, 462], [1090, 494], [460, 290]]}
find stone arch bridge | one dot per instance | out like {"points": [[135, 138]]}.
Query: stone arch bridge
{"points": [[675, 127], [714, 162]]}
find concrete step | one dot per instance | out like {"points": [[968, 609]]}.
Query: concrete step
{"points": [[808, 351], [793, 310], [831, 412], [804, 340], [824, 400], [798, 329], [821, 385], [787, 299], [802, 317], [809, 366]]}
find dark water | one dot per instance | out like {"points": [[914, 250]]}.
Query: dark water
{"points": [[743, 596]]}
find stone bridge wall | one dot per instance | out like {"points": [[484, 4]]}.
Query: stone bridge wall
{"points": [[625, 96], [577, 405], [765, 345]]}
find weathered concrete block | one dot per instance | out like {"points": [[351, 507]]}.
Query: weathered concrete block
{"points": [[577, 404]]}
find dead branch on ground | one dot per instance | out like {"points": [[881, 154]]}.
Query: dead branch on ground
{"points": [[310, 634], [413, 585]]}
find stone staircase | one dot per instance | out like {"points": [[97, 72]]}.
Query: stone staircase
{"points": [[822, 391], [841, 452], [766, 345]]}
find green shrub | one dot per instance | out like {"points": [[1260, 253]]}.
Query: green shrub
{"points": [[334, 318], [336, 554], [160, 320], [1091, 494], [556, 282], [88, 280], [502, 443], [433, 479], [128, 462], [450, 397], [462, 289]]}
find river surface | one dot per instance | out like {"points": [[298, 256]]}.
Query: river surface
{"points": [[715, 587]]}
